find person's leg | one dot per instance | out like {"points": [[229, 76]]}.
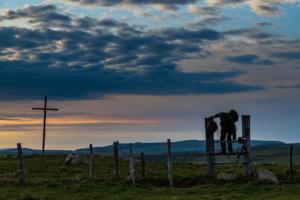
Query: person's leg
{"points": [[229, 141], [231, 134], [222, 139]]}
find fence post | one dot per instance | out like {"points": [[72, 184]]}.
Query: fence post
{"points": [[22, 179], [91, 161], [131, 165], [116, 159], [143, 165], [170, 163], [291, 163], [210, 150], [246, 134]]}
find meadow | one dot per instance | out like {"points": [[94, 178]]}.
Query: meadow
{"points": [[49, 178]]}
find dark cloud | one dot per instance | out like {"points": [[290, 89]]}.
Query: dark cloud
{"points": [[267, 9], [292, 55], [251, 33], [45, 15], [87, 58], [62, 84], [191, 35], [264, 24], [208, 21], [249, 59], [260, 7], [296, 86], [167, 4], [113, 2]]}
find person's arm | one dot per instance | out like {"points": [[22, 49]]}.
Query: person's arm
{"points": [[219, 115]]}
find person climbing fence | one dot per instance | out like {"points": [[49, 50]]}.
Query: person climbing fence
{"points": [[228, 128]]}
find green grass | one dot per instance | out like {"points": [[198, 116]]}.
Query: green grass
{"points": [[50, 179]]}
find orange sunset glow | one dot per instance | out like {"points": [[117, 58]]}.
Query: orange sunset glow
{"points": [[73, 120]]}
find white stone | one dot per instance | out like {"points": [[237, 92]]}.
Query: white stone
{"points": [[76, 160], [266, 176], [69, 159]]}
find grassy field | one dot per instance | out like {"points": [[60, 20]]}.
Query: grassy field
{"points": [[50, 179]]}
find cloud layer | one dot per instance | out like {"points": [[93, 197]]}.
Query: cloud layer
{"points": [[69, 57], [260, 7]]}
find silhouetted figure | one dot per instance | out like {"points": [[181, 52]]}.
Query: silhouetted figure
{"points": [[228, 128]]}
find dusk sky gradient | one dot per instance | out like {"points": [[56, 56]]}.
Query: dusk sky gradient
{"points": [[146, 70]]}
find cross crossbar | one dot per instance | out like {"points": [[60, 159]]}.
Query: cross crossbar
{"points": [[52, 109]]}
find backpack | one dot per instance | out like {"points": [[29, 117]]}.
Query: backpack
{"points": [[211, 125], [234, 116]]}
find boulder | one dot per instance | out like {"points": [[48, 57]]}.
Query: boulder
{"points": [[68, 159], [266, 176], [76, 160]]}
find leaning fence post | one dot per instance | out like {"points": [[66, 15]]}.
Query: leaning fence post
{"points": [[116, 159], [131, 165], [170, 163], [246, 134], [210, 150], [22, 179], [143, 163], [91, 161], [291, 163]]}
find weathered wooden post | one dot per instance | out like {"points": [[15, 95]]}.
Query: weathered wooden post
{"points": [[131, 165], [210, 150], [246, 134], [170, 163], [291, 163], [22, 179], [91, 161], [116, 158], [143, 164]]}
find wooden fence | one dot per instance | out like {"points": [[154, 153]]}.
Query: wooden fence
{"points": [[245, 153]]}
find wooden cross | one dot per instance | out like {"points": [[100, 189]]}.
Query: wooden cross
{"points": [[45, 109]]}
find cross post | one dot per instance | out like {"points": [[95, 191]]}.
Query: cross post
{"points": [[45, 109]]}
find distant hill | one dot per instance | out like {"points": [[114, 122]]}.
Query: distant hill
{"points": [[27, 151], [278, 148], [187, 146]]}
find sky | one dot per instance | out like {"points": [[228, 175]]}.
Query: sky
{"points": [[146, 70]]}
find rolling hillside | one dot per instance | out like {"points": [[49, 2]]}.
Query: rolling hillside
{"points": [[187, 146]]}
